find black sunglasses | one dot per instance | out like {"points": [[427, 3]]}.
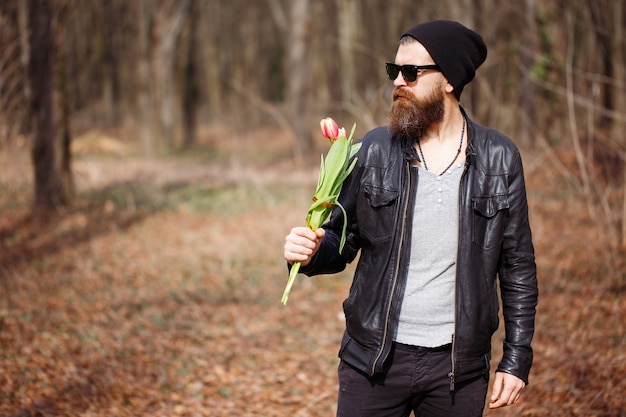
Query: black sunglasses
{"points": [[409, 72]]}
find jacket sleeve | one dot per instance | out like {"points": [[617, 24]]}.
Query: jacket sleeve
{"points": [[329, 259], [518, 280]]}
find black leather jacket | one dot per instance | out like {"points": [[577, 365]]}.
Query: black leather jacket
{"points": [[494, 242]]}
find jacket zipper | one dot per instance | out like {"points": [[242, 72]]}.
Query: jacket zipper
{"points": [[395, 277], [451, 374], [452, 358]]}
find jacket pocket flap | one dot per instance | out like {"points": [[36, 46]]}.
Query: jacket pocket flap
{"points": [[379, 197], [489, 206]]}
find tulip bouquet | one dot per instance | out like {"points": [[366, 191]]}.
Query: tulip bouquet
{"points": [[333, 172]]}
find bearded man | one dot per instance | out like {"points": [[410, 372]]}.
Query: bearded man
{"points": [[436, 205]]}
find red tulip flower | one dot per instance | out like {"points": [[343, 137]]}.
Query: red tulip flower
{"points": [[329, 128], [333, 171]]}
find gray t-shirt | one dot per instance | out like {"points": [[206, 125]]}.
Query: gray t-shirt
{"points": [[427, 313]]}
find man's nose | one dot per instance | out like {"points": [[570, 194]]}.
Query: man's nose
{"points": [[399, 81]]}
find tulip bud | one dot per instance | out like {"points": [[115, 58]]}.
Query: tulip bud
{"points": [[334, 169], [329, 128]]}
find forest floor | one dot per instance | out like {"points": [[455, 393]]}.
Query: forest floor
{"points": [[157, 292]]}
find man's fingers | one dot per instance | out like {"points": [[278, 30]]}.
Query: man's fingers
{"points": [[298, 249], [507, 390], [295, 242], [497, 388], [301, 243]]}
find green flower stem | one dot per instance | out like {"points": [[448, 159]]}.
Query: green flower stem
{"points": [[333, 171], [292, 278], [315, 219]]}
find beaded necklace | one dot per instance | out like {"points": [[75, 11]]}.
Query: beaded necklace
{"points": [[458, 152]]}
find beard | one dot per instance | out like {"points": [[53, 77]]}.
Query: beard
{"points": [[412, 116]]}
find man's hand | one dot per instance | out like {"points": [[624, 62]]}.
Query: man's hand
{"points": [[506, 390], [301, 244]]}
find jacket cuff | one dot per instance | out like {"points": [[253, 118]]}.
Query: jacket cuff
{"points": [[516, 364]]}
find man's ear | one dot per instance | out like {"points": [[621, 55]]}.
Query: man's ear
{"points": [[449, 87]]}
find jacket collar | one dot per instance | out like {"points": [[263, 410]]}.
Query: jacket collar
{"points": [[470, 151]]}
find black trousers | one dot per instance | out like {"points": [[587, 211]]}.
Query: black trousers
{"points": [[416, 380]]}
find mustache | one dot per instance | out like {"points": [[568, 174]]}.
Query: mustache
{"points": [[399, 92]]}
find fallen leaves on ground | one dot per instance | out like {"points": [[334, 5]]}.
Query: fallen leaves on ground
{"points": [[158, 293]]}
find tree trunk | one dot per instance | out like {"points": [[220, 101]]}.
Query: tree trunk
{"points": [[618, 53], [67, 181], [210, 36], [111, 87], [48, 190], [527, 84], [22, 17], [619, 73], [144, 78], [165, 68], [298, 74], [190, 88], [348, 26], [601, 20]]}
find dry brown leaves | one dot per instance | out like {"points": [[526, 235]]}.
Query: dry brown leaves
{"points": [[123, 306]]}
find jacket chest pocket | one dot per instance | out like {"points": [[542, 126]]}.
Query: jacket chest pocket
{"points": [[376, 211], [489, 215]]}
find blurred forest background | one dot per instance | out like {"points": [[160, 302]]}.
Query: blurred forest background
{"points": [[154, 153]]}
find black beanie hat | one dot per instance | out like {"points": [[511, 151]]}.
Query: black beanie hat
{"points": [[457, 50]]}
